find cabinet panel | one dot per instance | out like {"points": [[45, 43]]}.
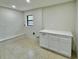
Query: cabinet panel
{"points": [[60, 45], [44, 40], [57, 43], [53, 42], [65, 46]]}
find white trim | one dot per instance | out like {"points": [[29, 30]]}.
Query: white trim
{"points": [[11, 37]]}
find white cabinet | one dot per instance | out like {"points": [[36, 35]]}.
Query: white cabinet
{"points": [[44, 40], [53, 42], [60, 42]]}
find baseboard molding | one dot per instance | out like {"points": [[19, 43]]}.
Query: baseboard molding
{"points": [[11, 37]]}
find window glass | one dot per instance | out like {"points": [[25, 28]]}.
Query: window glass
{"points": [[29, 20], [30, 17]]}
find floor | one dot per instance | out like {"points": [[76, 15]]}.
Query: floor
{"points": [[25, 48]]}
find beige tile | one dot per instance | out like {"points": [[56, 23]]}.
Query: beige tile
{"points": [[25, 48]]}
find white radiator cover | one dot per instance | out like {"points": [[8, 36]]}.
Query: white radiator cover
{"points": [[58, 41]]}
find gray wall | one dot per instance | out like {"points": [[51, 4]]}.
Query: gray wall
{"points": [[76, 27], [11, 22], [37, 13], [59, 17]]}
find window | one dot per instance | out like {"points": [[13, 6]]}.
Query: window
{"points": [[29, 20]]}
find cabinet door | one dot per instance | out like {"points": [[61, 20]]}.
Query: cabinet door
{"points": [[65, 46], [60, 45], [53, 42], [44, 40]]}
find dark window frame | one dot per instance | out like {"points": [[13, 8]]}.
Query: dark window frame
{"points": [[29, 20]]}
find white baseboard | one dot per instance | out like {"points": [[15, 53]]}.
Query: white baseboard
{"points": [[11, 37]]}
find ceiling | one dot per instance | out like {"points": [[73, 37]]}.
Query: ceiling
{"points": [[22, 5]]}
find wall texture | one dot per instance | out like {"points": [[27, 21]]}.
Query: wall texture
{"points": [[11, 22], [59, 17], [37, 13], [76, 28]]}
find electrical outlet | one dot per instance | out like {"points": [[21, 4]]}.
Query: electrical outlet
{"points": [[33, 33]]}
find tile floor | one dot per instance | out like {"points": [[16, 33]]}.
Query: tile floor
{"points": [[25, 48]]}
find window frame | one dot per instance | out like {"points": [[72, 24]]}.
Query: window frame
{"points": [[29, 20]]}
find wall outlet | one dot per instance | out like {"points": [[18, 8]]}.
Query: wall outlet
{"points": [[37, 37], [33, 33]]}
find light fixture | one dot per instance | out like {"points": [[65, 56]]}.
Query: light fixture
{"points": [[13, 6], [28, 1]]}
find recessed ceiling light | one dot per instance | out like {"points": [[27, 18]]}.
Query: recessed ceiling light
{"points": [[13, 6], [28, 1]]}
